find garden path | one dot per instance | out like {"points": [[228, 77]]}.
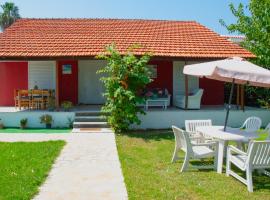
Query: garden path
{"points": [[87, 168]]}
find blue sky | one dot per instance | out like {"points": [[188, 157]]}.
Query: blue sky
{"points": [[207, 12]]}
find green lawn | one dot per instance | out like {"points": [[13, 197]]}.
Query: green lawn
{"points": [[35, 130], [25, 166], [145, 159]]}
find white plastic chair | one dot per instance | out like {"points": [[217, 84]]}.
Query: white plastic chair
{"points": [[193, 151], [267, 129], [191, 126], [252, 124], [257, 157]]}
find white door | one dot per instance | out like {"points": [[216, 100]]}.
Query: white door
{"points": [[90, 86], [41, 74]]}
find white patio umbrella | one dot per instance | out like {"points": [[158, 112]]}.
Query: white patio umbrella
{"points": [[234, 70]]}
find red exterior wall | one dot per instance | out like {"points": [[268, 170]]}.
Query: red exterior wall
{"points": [[164, 75], [13, 75], [213, 91], [68, 83]]}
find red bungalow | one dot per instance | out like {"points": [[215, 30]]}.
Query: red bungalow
{"points": [[60, 54]]}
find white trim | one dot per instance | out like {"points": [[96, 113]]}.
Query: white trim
{"points": [[164, 119]]}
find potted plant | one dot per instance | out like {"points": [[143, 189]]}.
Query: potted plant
{"points": [[51, 103], [1, 124], [70, 122], [66, 105], [47, 120], [23, 123]]}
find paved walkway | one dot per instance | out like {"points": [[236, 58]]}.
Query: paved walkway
{"points": [[87, 168]]}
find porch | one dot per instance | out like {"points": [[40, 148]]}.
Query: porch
{"points": [[155, 118], [78, 81]]}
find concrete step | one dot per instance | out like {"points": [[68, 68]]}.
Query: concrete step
{"points": [[102, 130], [90, 125], [90, 113], [89, 119]]}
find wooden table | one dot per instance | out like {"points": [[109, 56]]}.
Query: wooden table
{"points": [[223, 137]]}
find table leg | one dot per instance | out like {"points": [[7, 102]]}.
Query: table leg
{"points": [[225, 149], [221, 145]]}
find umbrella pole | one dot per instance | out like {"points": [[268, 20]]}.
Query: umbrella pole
{"points": [[229, 105]]}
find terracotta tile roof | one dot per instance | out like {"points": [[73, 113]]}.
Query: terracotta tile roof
{"points": [[88, 37]]}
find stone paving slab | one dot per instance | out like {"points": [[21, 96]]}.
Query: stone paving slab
{"points": [[87, 168]]}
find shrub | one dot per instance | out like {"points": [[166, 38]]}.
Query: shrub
{"points": [[124, 76], [51, 103], [1, 124], [23, 123], [66, 105], [46, 119], [70, 122]]}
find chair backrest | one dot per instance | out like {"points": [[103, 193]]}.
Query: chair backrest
{"points": [[267, 129], [182, 139], [198, 92], [252, 124], [36, 91], [23, 93], [191, 125], [259, 154], [46, 93]]}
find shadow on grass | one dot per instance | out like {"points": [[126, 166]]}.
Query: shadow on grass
{"points": [[148, 135]]}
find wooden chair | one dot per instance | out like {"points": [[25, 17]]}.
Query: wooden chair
{"points": [[193, 151], [191, 125], [45, 98], [36, 99], [257, 157], [16, 98], [24, 99]]}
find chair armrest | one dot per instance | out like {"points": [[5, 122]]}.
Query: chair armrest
{"points": [[235, 150], [193, 133], [206, 144], [195, 137]]}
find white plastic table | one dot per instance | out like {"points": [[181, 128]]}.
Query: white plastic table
{"points": [[223, 138]]}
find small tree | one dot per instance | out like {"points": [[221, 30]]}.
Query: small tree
{"points": [[124, 76], [255, 26]]}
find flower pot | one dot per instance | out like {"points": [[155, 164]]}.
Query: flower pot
{"points": [[23, 126], [48, 126]]}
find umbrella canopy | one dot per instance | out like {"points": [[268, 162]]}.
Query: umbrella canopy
{"points": [[237, 69]]}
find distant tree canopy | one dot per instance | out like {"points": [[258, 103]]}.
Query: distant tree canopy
{"points": [[9, 14], [255, 25], [253, 21]]}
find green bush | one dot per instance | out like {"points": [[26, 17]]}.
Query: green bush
{"points": [[66, 105], [124, 77], [46, 119], [23, 123]]}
